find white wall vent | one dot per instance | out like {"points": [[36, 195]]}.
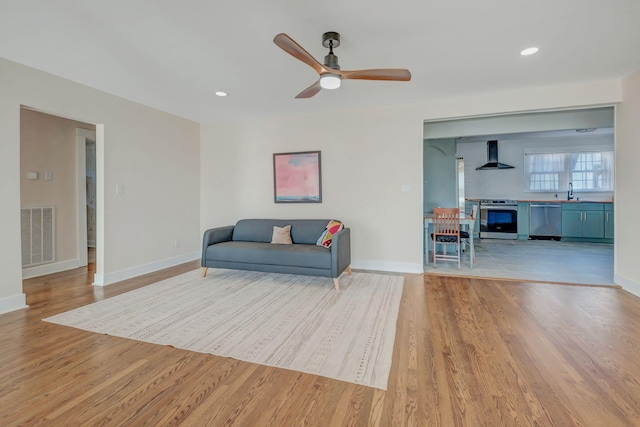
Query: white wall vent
{"points": [[38, 237]]}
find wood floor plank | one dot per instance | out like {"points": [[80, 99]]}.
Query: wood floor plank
{"points": [[271, 409], [305, 401], [468, 352]]}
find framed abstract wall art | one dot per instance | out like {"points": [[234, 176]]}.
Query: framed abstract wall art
{"points": [[297, 177]]}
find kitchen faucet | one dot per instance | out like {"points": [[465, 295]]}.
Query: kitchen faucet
{"points": [[570, 192]]}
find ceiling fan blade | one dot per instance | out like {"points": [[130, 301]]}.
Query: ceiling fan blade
{"points": [[310, 91], [289, 45], [395, 74]]}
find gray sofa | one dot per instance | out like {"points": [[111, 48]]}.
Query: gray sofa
{"points": [[247, 246]]}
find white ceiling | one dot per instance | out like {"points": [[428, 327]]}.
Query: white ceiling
{"points": [[173, 55]]}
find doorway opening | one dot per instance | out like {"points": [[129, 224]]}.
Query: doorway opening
{"points": [[56, 153], [87, 194], [522, 139]]}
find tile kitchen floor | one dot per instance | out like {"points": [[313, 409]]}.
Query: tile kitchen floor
{"points": [[535, 260]]}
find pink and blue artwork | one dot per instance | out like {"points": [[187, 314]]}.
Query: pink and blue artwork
{"points": [[297, 177]]}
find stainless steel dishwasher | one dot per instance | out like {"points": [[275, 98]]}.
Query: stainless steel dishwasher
{"points": [[545, 221]]}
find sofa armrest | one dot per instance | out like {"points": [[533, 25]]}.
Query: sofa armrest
{"points": [[340, 252], [215, 235]]}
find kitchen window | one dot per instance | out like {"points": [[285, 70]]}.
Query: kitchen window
{"points": [[544, 171], [587, 170]]}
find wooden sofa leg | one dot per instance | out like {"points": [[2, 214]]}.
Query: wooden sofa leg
{"points": [[204, 271], [349, 270], [336, 283]]}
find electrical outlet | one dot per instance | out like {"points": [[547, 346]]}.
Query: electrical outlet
{"points": [[178, 243]]}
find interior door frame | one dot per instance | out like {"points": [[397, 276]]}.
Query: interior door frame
{"points": [[82, 135]]}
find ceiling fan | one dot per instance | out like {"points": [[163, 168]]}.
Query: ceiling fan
{"points": [[330, 73]]}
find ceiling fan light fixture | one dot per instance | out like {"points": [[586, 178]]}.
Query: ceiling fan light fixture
{"points": [[330, 74], [330, 81]]}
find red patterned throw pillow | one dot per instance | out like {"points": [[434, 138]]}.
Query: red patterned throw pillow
{"points": [[327, 235]]}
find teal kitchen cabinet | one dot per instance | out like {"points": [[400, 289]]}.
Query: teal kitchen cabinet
{"points": [[571, 223], [608, 220], [593, 224], [583, 221]]}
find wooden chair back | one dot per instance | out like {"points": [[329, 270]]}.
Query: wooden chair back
{"points": [[446, 222]]}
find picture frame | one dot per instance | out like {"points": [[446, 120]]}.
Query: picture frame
{"points": [[297, 177]]}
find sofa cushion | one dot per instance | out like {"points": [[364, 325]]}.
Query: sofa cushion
{"points": [[305, 231], [311, 256], [281, 235]]}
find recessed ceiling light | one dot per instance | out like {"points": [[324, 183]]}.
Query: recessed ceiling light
{"points": [[529, 51], [221, 93]]}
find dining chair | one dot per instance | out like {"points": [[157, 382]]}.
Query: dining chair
{"points": [[446, 231], [464, 235]]}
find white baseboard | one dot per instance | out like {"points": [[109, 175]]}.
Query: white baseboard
{"points": [[627, 284], [13, 303], [390, 266], [54, 267], [128, 273]]}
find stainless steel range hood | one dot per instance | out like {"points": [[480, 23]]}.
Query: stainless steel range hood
{"points": [[492, 158]]}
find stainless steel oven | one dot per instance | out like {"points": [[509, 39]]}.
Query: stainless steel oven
{"points": [[499, 219]]}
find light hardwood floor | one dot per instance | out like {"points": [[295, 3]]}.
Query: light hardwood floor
{"points": [[468, 352]]}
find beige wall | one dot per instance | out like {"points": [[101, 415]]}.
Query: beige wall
{"points": [[48, 143], [367, 157], [154, 155], [627, 199]]}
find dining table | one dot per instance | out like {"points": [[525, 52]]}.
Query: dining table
{"points": [[465, 221]]}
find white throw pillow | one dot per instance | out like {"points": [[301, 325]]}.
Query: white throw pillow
{"points": [[281, 235]]}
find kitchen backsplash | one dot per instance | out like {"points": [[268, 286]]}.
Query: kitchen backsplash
{"points": [[510, 183]]}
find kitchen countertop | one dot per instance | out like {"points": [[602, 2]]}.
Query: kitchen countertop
{"points": [[551, 201], [564, 201]]}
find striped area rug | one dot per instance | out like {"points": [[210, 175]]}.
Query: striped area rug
{"points": [[294, 322]]}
